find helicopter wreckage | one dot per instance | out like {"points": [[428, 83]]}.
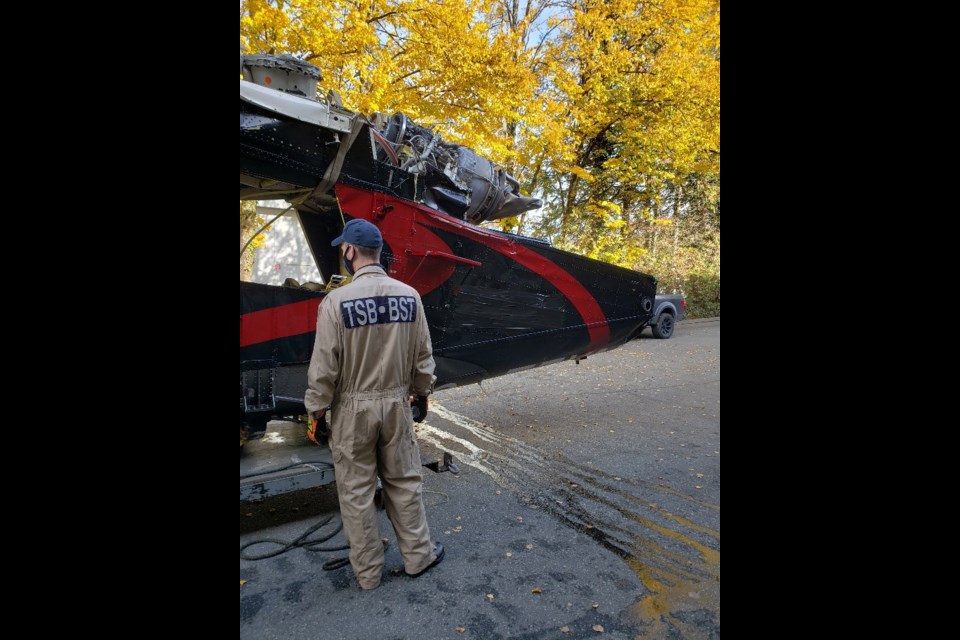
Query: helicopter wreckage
{"points": [[495, 302]]}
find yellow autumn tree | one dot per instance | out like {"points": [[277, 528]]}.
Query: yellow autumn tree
{"points": [[441, 64], [539, 139], [607, 109], [642, 87]]}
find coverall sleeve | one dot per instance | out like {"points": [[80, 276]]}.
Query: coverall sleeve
{"points": [[423, 377], [325, 361]]}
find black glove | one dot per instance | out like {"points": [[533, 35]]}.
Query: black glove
{"points": [[419, 408]]}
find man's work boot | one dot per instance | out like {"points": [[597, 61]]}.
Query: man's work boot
{"points": [[439, 551]]}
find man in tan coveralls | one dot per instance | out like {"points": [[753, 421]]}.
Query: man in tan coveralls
{"points": [[372, 351]]}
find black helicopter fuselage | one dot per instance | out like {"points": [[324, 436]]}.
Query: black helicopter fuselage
{"points": [[495, 303]]}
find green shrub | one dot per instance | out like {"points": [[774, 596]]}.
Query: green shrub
{"points": [[703, 295]]}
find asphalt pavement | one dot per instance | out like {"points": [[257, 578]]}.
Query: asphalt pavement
{"points": [[587, 505]]}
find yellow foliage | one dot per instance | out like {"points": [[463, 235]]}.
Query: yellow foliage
{"points": [[440, 63], [598, 106], [581, 173]]}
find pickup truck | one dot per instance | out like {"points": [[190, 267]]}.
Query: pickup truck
{"points": [[667, 310]]}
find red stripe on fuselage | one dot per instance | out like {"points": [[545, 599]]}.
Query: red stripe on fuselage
{"points": [[586, 305], [279, 322]]}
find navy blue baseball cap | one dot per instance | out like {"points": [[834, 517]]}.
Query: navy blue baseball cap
{"points": [[361, 233]]}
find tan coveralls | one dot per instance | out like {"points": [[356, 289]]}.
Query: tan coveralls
{"points": [[372, 351]]}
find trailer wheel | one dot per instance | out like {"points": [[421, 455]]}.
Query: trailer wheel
{"points": [[664, 327]]}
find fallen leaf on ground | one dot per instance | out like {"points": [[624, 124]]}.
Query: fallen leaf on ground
{"points": [[519, 518], [461, 629], [536, 590], [490, 596], [243, 582], [509, 555], [529, 546], [699, 475], [595, 605], [564, 629], [598, 628]]}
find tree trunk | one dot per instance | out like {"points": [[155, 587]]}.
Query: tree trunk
{"points": [[246, 260], [567, 211], [656, 231], [248, 224], [676, 217]]}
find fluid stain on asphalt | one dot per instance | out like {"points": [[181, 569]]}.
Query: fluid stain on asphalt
{"points": [[676, 559], [293, 592], [250, 606]]}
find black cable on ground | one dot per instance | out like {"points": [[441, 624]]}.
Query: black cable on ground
{"points": [[305, 542]]}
